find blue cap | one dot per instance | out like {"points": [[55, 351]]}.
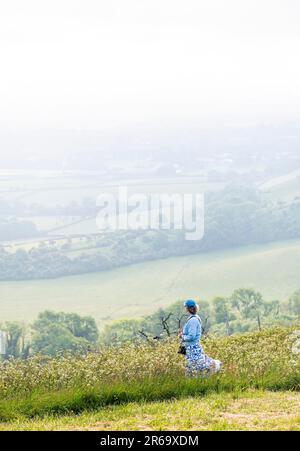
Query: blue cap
{"points": [[190, 303]]}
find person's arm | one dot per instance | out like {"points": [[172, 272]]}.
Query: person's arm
{"points": [[192, 328]]}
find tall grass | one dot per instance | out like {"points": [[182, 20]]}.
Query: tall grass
{"points": [[76, 400], [41, 386]]}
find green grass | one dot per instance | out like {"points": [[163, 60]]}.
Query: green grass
{"points": [[81, 227], [47, 223], [78, 399], [141, 289], [145, 388], [249, 410]]}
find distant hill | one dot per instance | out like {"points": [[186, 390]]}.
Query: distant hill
{"points": [[140, 289]]}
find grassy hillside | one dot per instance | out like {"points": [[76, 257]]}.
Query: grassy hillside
{"points": [[140, 289], [145, 387], [285, 188], [248, 410]]}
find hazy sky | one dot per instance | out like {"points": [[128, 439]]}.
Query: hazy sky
{"points": [[103, 63]]}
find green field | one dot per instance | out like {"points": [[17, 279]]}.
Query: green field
{"points": [[286, 189], [47, 223], [51, 190], [140, 289]]}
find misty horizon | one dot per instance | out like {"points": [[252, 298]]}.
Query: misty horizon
{"points": [[98, 66]]}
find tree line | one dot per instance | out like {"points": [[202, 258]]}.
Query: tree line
{"points": [[86, 207], [243, 311], [51, 334], [54, 333], [232, 218]]}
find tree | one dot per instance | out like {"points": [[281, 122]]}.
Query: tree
{"points": [[56, 332], [222, 312], [16, 344], [81, 326], [120, 331], [56, 338], [272, 308], [249, 302], [294, 303], [205, 315]]}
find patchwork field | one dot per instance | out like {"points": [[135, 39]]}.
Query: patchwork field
{"points": [[61, 189], [140, 289]]}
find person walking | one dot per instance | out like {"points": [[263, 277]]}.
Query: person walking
{"points": [[197, 362]]}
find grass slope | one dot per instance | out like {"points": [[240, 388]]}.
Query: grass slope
{"points": [[287, 189], [145, 387], [77, 400], [140, 289], [249, 410]]}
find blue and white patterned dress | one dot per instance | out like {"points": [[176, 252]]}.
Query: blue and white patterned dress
{"points": [[197, 362]]}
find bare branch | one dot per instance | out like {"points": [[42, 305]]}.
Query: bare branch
{"points": [[165, 324], [144, 335]]}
